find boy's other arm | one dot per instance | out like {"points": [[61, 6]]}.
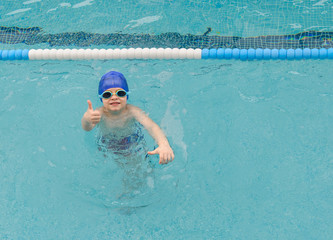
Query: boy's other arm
{"points": [[164, 149]]}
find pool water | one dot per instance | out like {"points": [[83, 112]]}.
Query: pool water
{"points": [[242, 18], [252, 139], [252, 143]]}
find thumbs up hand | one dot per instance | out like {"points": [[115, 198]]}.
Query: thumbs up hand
{"points": [[90, 118], [94, 116]]}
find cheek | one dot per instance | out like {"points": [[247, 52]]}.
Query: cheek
{"points": [[105, 102], [124, 100]]}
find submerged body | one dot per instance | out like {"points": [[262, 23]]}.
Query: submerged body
{"points": [[121, 141], [120, 136]]}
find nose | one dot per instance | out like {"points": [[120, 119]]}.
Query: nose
{"points": [[114, 96]]}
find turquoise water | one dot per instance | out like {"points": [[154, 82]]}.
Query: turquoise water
{"points": [[253, 148], [225, 17], [252, 140]]}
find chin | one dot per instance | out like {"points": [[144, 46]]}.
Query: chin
{"points": [[115, 108]]}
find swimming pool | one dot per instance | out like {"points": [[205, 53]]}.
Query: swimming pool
{"points": [[252, 140]]}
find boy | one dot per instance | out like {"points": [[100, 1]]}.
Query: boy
{"points": [[117, 119]]}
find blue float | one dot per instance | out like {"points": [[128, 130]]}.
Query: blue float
{"points": [[4, 55], [243, 54], [212, 53], [306, 53], [25, 54], [330, 53], [205, 53], [11, 55], [298, 54], [259, 53], [228, 53], [314, 53], [18, 54], [282, 53], [235, 53], [275, 54], [220, 53], [267, 54], [290, 54], [251, 54], [322, 53]]}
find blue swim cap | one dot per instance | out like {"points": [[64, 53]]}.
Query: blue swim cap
{"points": [[112, 79]]}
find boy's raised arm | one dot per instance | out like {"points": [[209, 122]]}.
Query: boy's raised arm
{"points": [[90, 118]]}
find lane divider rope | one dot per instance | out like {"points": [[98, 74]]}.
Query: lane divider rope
{"points": [[166, 53]]}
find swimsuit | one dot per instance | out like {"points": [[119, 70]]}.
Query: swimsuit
{"points": [[123, 145]]}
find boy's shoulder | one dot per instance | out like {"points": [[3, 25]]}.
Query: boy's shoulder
{"points": [[133, 109], [138, 114]]}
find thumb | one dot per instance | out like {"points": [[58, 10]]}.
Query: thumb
{"points": [[89, 105], [153, 152]]}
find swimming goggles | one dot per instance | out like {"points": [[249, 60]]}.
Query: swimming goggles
{"points": [[108, 94]]}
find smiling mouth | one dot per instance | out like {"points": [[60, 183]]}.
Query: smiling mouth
{"points": [[114, 103]]}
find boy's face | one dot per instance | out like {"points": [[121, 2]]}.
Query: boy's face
{"points": [[115, 103]]}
